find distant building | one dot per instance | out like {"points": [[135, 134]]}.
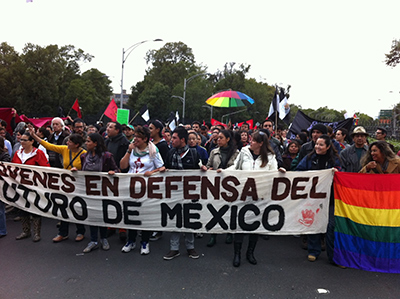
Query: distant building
{"points": [[117, 97], [385, 116]]}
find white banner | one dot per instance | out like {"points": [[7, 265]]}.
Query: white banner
{"points": [[189, 200]]}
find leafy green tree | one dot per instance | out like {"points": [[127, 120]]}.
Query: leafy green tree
{"points": [[41, 79], [10, 75], [393, 58], [49, 71], [92, 89], [168, 67]]}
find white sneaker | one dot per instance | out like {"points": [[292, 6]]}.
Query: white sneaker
{"points": [[128, 246], [145, 248]]}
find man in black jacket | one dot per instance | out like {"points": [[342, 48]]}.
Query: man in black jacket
{"points": [[116, 142], [181, 156]]}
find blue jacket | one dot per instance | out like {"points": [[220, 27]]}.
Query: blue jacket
{"points": [[307, 163]]}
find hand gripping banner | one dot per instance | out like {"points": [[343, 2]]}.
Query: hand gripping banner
{"points": [[190, 200]]}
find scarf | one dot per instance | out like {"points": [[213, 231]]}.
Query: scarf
{"points": [[176, 162], [93, 163], [150, 150], [224, 157]]}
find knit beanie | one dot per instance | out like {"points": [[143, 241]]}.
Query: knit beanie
{"points": [[321, 128]]}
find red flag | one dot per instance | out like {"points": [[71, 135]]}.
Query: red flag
{"points": [[215, 122], [111, 111], [250, 122], [77, 108]]}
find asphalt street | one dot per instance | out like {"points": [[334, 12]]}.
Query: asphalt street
{"points": [[49, 270]]}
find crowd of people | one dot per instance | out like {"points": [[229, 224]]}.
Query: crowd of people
{"points": [[154, 148]]}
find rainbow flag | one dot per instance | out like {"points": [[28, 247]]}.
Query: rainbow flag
{"points": [[367, 221]]}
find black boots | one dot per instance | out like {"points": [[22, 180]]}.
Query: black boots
{"points": [[229, 238], [237, 246], [236, 257], [212, 241], [250, 252]]}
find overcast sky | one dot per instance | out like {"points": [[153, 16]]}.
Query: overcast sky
{"points": [[330, 52]]}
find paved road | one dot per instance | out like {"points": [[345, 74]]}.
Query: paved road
{"points": [[47, 270]]}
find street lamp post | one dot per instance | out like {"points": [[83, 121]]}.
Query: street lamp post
{"points": [[184, 93], [222, 118], [211, 109], [129, 51]]}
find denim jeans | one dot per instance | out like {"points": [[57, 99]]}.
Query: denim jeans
{"points": [[94, 233], [175, 238], [3, 228]]}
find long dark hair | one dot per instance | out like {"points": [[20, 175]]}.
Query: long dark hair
{"points": [[293, 141], [385, 149], [331, 152], [231, 143], [262, 136], [158, 125], [100, 147]]}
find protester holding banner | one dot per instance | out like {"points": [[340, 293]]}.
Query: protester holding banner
{"points": [[4, 157], [222, 157], [30, 155], [97, 159], [142, 157], [290, 153], [181, 157], [380, 159], [258, 156], [71, 154], [323, 156]]}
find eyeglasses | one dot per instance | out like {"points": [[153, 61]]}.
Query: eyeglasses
{"points": [[267, 126], [378, 133], [24, 140]]}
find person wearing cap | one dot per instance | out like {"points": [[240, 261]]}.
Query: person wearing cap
{"points": [[129, 130], [316, 131], [351, 156]]}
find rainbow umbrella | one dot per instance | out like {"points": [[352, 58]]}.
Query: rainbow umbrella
{"points": [[229, 98]]}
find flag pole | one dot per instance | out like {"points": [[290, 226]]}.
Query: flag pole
{"points": [[101, 117], [133, 118]]}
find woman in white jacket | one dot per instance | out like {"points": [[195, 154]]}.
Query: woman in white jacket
{"points": [[257, 156]]}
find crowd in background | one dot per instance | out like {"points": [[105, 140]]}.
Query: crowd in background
{"points": [[150, 148]]}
